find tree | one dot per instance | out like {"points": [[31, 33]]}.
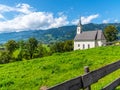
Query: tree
{"points": [[27, 48], [5, 57], [111, 33], [68, 45], [21, 44], [57, 47], [40, 51], [11, 45], [62, 46], [31, 46]]}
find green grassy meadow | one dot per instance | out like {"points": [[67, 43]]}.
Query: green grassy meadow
{"points": [[52, 70]]}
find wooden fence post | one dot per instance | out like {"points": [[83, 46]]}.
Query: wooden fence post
{"points": [[43, 88], [86, 70]]}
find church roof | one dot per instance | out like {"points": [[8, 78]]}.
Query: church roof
{"points": [[90, 35]]}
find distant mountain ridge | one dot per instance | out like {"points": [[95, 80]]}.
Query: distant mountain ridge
{"points": [[52, 35]]}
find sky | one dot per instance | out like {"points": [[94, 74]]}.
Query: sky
{"points": [[22, 15]]}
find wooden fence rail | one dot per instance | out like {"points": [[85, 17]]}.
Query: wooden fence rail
{"points": [[112, 85], [89, 78], [95, 75], [74, 84]]}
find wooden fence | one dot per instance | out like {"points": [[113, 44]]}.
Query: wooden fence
{"points": [[84, 81]]}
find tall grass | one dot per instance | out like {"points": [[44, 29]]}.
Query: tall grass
{"points": [[52, 70]]}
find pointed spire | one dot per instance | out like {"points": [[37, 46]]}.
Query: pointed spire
{"points": [[79, 27], [79, 24]]}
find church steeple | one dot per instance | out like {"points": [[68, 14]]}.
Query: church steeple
{"points": [[79, 27]]}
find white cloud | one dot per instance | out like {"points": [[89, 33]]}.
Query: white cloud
{"points": [[116, 21], [29, 20], [60, 21], [23, 8], [85, 20], [75, 22], [106, 21], [4, 8], [60, 13], [1, 16], [88, 19]]}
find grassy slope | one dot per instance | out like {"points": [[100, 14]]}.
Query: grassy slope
{"points": [[30, 75]]}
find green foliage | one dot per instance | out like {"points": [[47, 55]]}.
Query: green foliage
{"points": [[57, 47], [21, 44], [41, 51], [5, 57], [31, 49], [111, 33], [52, 70], [62, 46], [68, 46], [23, 50], [31, 46], [11, 45]]}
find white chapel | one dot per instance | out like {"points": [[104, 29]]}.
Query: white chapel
{"points": [[88, 39]]}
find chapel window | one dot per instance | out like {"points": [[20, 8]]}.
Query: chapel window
{"points": [[83, 46], [88, 45]]}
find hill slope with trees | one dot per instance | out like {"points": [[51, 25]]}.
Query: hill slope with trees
{"points": [[30, 49], [51, 70], [52, 35]]}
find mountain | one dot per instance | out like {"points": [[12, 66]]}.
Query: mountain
{"points": [[52, 35]]}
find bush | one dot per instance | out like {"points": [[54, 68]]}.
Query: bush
{"points": [[62, 46], [40, 51], [5, 57]]}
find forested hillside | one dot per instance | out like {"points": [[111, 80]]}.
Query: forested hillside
{"points": [[52, 35]]}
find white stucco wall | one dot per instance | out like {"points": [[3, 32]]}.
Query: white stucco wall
{"points": [[79, 44], [101, 42]]}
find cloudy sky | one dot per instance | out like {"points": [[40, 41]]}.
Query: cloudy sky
{"points": [[21, 15]]}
